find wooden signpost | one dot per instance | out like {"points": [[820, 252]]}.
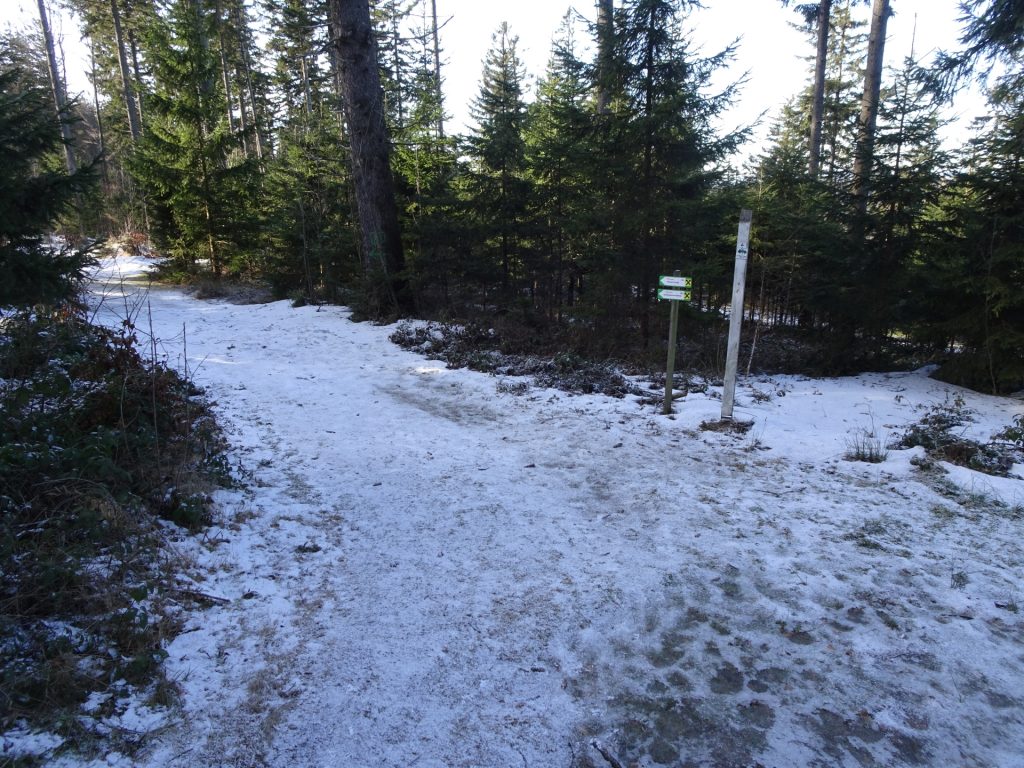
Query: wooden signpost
{"points": [[736, 314], [675, 289]]}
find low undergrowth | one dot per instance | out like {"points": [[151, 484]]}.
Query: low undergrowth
{"points": [[100, 449], [940, 431], [482, 348]]}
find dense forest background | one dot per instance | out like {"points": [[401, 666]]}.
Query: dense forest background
{"points": [[230, 136]]}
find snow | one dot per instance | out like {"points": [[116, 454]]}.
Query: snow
{"points": [[425, 570]]}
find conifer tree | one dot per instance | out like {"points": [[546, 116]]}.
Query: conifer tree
{"points": [[567, 220], [974, 270], [200, 188], [661, 149], [307, 202], [498, 184], [908, 179], [383, 255], [34, 188]]}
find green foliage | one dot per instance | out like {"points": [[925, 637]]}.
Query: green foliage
{"points": [[34, 192], [565, 209], [498, 186], [308, 215], [200, 186], [973, 273], [562, 214], [1015, 432]]}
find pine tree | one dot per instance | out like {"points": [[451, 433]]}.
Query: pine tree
{"points": [[662, 151], [843, 88], [200, 188], [498, 184], [113, 29], [306, 195], [908, 179], [34, 189], [566, 220], [873, 69], [800, 242], [975, 268]]}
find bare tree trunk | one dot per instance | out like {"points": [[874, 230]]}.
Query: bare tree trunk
{"points": [[818, 100], [128, 91], [57, 84], [137, 71], [396, 51], [225, 76], [307, 99], [862, 161], [243, 44], [335, 64], [99, 118], [368, 137], [605, 42], [437, 70]]}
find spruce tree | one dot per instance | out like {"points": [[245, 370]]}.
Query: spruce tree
{"points": [[567, 222], [200, 187], [661, 151], [35, 188], [498, 184], [355, 48], [975, 296]]}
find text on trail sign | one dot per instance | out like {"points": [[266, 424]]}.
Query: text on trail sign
{"points": [[674, 281], [673, 295]]}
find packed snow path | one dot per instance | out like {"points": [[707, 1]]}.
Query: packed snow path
{"points": [[425, 571]]}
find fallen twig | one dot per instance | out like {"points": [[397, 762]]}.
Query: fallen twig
{"points": [[202, 597], [608, 756]]}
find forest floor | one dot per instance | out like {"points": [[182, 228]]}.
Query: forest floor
{"points": [[432, 567]]}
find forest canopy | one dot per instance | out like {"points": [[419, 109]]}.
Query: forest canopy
{"points": [[231, 135]]}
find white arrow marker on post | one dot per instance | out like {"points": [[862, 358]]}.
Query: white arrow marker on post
{"points": [[732, 354]]}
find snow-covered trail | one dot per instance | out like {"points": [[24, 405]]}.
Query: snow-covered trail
{"points": [[424, 571]]}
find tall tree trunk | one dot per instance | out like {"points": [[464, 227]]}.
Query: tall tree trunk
{"points": [[368, 138], [605, 43], [818, 99], [335, 66], [225, 76], [57, 84], [241, 24], [437, 70], [134, 46], [127, 89], [99, 118], [880, 12]]}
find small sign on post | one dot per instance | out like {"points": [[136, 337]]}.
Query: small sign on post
{"points": [[675, 289], [732, 354]]}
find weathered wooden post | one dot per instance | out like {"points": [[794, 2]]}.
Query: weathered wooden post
{"points": [[736, 314], [675, 289]]}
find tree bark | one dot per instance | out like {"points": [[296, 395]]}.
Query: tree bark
{"points": [[605, 42], [244, 46], [128, 92], [99, 118], [862, 162], [818, 99], [368, 138], [138, 75], [59, 96], [437, 70]]}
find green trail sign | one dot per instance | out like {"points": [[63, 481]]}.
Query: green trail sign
{"points": [[672, 288], [673, 294], [675, 281]]}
